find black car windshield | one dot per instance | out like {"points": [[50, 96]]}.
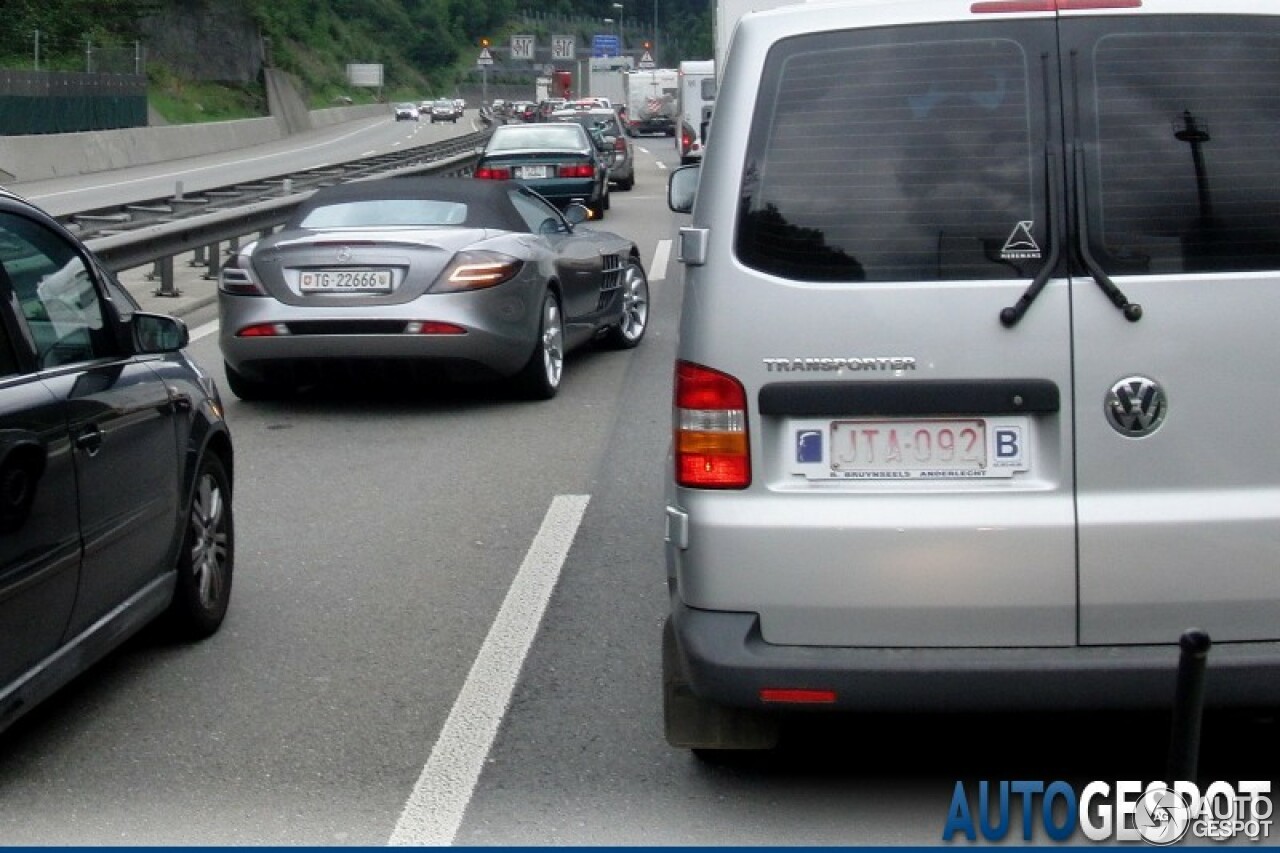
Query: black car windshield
{"points": [[387, 211]]}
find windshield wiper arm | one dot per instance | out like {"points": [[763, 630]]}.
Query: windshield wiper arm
{"points": [[1132, 310], [1011, 315]]}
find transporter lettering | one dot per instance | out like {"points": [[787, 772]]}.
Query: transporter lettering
{"points": [[783, 365]]}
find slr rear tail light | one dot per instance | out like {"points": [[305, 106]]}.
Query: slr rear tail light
{"points": [[476, 271], [493, 173], [236, 276], [575, 170], [264, 330], [432, 327], [712, 450]]}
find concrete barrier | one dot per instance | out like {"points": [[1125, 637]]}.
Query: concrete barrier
{"points": [[36, 158]]}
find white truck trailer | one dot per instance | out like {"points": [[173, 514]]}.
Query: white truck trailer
{"points": [[606, 78], [695, 99], [651, 101]]}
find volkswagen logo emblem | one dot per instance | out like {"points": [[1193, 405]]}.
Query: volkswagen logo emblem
{"points": [[1136, 406], [344, 254]]}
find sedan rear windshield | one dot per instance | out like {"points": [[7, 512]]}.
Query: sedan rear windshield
{"points": [[553, 136]]}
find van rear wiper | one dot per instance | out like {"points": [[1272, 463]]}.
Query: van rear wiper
{"points": [[1132, 310], [1011, 315]]}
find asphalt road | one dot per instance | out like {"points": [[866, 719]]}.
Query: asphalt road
{"points": [[388, 670]]}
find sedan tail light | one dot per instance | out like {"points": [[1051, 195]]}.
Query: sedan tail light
{"points": [[712, 446], [493, 173], [576, 170]]}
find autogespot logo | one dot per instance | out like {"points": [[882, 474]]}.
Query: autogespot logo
{"points": [[1156, 813]]}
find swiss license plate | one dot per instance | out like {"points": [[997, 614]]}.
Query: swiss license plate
{"points": [[533, 171], [311, 281], [914, 449]]}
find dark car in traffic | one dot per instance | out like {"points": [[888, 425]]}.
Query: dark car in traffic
{"points": [[605, 128], [557, 160], [115, 467]]}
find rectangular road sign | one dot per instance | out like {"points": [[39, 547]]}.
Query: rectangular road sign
{"points": [[563, 47], [604, 45], [522, 47]]}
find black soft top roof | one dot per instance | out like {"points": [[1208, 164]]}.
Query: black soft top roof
{"points": [[488, 202]]}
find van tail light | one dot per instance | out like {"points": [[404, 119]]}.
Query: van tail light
{"points": [[576, 170], [797, 696], [712, 447], [686, 140], [493, 173]]}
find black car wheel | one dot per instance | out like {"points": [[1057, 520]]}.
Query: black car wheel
{"points": [[631, 325], [207, 558], [540, 378]]}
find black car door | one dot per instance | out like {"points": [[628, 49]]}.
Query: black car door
{"points": [[39, 525], [119, 416]]}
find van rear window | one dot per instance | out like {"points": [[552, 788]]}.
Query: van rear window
{"points": [[899, 155], [1188, 128]]}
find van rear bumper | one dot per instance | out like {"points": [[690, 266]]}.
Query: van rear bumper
{"points": [[727, 661]]}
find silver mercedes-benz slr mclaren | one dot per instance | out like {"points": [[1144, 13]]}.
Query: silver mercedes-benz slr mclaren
{"points": [[420, 277]]}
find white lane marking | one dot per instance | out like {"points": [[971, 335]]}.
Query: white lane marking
{"points": [[292, 152], [203, 331], [661, 256], [439, 800]]}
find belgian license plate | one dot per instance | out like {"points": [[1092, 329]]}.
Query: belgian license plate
{"points": [[915, 449], [533, 171], [311, 281]]}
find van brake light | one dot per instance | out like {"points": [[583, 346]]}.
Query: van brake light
{"points": [[1015, 6], [712, 447]]}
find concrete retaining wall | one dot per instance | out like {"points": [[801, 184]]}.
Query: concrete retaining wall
{"points": [[35, 158]]}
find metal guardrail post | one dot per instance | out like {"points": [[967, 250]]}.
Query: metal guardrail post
{"points": [[214, 262], [1188, 706], [197, 257], [166, 288]]}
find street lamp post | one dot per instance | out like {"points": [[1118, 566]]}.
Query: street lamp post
{"points": [[611, 21], [618, 6]]}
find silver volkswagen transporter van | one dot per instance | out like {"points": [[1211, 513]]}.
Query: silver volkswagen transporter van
{"points": [[976, 399]]}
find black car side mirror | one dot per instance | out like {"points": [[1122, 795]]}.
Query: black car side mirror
{"points": [[158, 333]]}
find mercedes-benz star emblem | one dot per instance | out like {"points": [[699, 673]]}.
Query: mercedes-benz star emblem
{"points": [[344, 254], [1136, 406]]}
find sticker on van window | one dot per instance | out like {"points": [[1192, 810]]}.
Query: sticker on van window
{"points": [[1021, 245]]}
